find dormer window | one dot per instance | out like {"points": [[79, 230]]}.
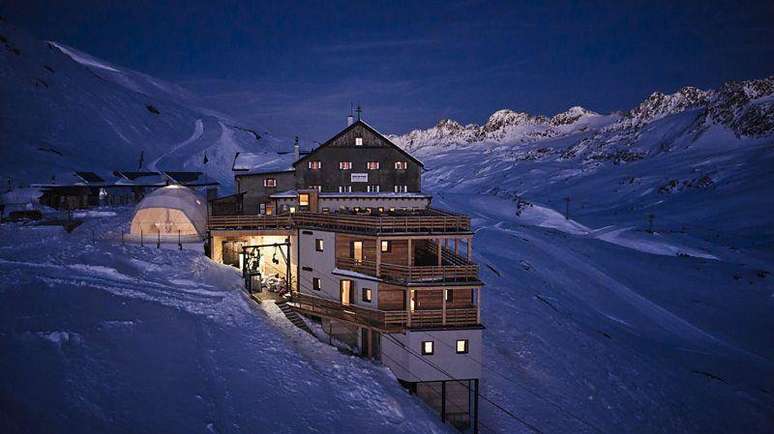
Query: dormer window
{"points": [[270, 182], [315, 165], [345, 165], [358, 141], [401, 165]]}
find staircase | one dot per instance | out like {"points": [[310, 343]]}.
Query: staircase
{"points": [[292, 315]]}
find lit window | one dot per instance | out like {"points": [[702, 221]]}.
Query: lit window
{"points": [[386, 246], [462, 346], [373, 188], [400, 188], [381, 209], [316, 283], [315, 165], [448, 295], [367, 295], [373, 165], [317, 188], [303, 199], [345, 165], [318, 244], [326, 209], [427, 348], [292, 209], [358, 141], [401, 165], [345, 189], [270, 182]]}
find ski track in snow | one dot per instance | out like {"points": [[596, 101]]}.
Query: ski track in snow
{"points": [[196, 135]]}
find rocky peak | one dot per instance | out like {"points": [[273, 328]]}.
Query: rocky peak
{"points": [[658, 104], [570, 116]]}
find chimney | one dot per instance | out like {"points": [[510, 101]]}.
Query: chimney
{"points": [[350, 119], [296, 150]]}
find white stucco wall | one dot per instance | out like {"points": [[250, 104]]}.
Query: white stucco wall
{"points": [[409, 367]]}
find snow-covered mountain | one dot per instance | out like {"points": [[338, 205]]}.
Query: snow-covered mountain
{"points": [[744, 108], [65, 110]]}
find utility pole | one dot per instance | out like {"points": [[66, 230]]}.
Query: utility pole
{"points": [[651, 217], [567, 208]]}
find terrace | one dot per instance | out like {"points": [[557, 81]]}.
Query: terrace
{"points": [[426, 221]]}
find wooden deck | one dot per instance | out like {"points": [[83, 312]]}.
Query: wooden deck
{"points": [[386, 321], [429, 221], [403, 274]]}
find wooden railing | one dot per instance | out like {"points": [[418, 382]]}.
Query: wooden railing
{"points": [[255, 221], [433, 221], [381, 319], [387, 320], [412, 274]]}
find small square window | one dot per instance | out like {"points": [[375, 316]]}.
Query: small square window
{"points": [[427, 348], [358, 141], [303, 199], [270, 182], [319, 244], [315, 165], [345, 165], [367, 295], [316, 283], [401, 165], [386, 246], [462, 346]]}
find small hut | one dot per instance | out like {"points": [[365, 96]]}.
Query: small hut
{"points": [[170, 214]]}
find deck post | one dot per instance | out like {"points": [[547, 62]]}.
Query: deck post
{"points": [[456, 246], [470, 248], [443, 306], [438, 250], [410, 253], [408, 308], [378, 257]]}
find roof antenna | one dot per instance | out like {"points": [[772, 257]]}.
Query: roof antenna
{"points": [[350, 118], [358, 111]]}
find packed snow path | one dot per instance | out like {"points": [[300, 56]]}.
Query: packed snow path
{"points": [[100, 337]]}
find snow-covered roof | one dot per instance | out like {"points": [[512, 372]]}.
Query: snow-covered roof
{"points": [[289, 194], [264, 162], [180, 198]]}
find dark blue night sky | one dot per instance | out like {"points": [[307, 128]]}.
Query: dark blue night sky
{"points": [[295, 68]]}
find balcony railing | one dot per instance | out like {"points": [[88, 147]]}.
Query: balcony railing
{"points": [[254, 221], [386, 320], [428, 221], [412, 274]]}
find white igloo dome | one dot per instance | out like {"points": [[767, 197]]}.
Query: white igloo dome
{"points": [[170, 211]]}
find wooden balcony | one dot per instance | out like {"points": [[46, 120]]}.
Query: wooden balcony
{"points": [[403, 274], [388, 321], [429, 221]]}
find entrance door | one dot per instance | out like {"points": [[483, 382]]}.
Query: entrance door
{"points": [[231, 251]]}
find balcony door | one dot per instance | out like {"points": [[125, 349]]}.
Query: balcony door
{"points": [[356, 251], [347, 292]]}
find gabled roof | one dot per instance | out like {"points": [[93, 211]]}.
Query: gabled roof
{"points": [[369, 128], [90, 177]]}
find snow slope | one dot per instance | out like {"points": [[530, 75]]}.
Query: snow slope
{"points": [[100, 337], [64, 110], [595, 323]]}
